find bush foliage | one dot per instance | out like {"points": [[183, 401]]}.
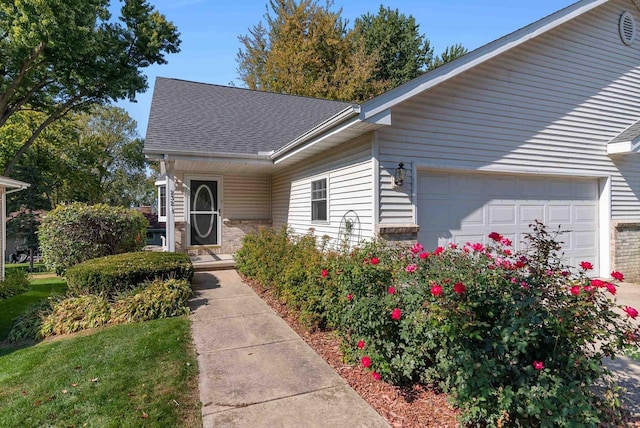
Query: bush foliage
{"points": [[120, 273], [15, 282], [69, 314], [73, 233], [514, 338]]}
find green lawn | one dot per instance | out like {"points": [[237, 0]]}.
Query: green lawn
{"points": [[14, 306], [134, 375]]}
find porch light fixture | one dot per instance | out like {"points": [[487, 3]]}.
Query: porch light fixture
{"points": [[399, 176]]}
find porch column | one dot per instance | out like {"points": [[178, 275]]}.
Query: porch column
{"points": [[171, 217]]}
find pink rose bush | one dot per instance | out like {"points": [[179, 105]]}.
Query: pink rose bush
{"points": [[416, 315]]}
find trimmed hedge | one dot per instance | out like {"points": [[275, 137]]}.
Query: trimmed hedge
{"points": [[73, 233], [15, 282], [112, 275]]}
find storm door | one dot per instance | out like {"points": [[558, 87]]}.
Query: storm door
{"points": [[204, 215]]}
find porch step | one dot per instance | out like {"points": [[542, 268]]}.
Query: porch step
{"points": [[209, 262]]}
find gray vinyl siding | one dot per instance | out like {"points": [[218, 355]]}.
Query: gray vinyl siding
{"points": [[348, 170], [246, 197], [548, 106]]}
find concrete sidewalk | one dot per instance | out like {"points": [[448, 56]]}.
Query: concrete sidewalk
{"points": [[255, 371]]}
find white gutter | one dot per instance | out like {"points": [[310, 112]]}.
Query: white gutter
{"points": [[345, 114]]}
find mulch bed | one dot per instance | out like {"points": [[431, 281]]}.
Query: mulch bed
{"points": [[415, 406]]}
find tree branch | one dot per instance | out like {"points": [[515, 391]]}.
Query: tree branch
{"points": [[24, 70]]}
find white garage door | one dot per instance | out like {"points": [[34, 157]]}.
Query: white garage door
{"points": [[460, 207]]}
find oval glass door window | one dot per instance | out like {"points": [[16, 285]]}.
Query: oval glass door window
{"points": [[203, 213]]}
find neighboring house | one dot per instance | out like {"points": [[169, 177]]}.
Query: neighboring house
{"points": [[155, 231], [7, 185], [543, 124]]}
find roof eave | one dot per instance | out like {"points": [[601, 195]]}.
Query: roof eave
{"points": [[163, 154]]}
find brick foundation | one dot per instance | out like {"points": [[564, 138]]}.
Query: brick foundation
{"points": [[232, 233], [400, 234], [625, 249]]}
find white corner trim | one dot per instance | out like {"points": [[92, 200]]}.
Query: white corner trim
{"points": [[604, 220]]}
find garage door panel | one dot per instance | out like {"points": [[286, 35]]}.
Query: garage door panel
{"points": [[467, 207], [559, 214], [531, 213], [502, 214]]}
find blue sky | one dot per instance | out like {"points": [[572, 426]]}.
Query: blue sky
{"points": [[210, 29]]}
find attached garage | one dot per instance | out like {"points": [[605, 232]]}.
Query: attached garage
{"points": [[455, 207]]}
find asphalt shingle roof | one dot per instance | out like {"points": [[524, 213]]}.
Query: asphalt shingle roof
{"points": [[200, 117]]}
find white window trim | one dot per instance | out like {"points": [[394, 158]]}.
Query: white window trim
{"points": [[327, 199], [162, 183]]}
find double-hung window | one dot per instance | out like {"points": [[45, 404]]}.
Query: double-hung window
{"points": [[319, 200], [162, 200]]}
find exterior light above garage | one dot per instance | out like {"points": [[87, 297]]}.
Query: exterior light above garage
{"points": [[399, 176]]}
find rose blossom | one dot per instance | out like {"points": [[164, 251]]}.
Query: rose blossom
{"points": [[436, 290], [349, 297], [632, 312], [417, 248], [611, 288], [453, 246], [324, 273], [376, 375], [586, 265], [424, 255], [478, 247], [374, 260], [391, 290], [506, 242], [366, 362], [396, 314], [361, 344], [437, 251], [617, 276], [538, 365], [495, 236], [598, 283], [411, 268], [459, 288], [575, 290]]}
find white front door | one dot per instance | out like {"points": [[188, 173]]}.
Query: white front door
{"points": [[204, 214]]}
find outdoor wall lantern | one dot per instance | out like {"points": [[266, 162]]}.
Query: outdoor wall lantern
{"points": [[399, 176]]}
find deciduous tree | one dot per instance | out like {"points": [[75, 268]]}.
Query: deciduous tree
{"points": [[63, 55]]}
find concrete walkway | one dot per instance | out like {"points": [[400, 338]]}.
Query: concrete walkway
{"points": [[255, 371]]}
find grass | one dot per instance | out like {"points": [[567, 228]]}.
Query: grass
{"points": [[14, 306], [134, 375], [37, 267]]}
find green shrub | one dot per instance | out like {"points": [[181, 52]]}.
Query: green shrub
{"points": [[28, 325], [515, 339], [160, 299], [73, 233], [77, 313], [119, 273], [15, 282]]}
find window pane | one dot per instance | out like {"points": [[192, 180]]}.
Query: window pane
{"points": [[319, 210], [162, 201]]}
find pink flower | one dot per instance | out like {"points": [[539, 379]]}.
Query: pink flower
{"points": [[478, 247], [575, 290], [519, 264], [495, 236], [453, 246], [611, 288], [524, 285], [376, 375], [565, 273], [375, 260], [417, 248], [549, 272], [437, 251], [588, 288], [361, 344], [424, 255], [349, 297], [507, 252], [506, 242], [617, 276], [391, 290], [324, 273], [366, 361], [632, 312], [538, 365], [411, 268], [365, 261], [459, 288], [396, 314], [586, 265], [436, 290], [598, 283]]}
